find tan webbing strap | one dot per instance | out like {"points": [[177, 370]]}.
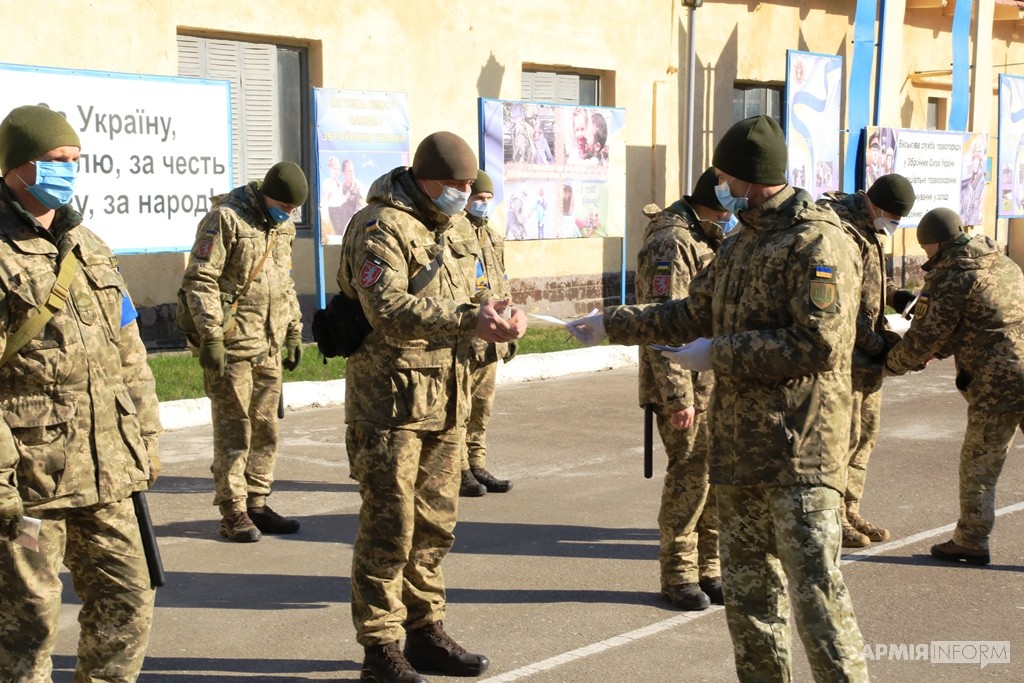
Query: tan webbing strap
{"points": [[54, 302], [245, 288]]}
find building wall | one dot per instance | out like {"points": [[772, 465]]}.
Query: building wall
{"points": [[447, 53]]}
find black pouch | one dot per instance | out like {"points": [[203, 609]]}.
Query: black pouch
{"points": [[340, 328]]}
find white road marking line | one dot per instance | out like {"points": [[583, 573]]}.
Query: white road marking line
{"points": [[658, 627]]}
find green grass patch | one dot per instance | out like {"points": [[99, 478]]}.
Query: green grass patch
{"points": [[179, 376]]}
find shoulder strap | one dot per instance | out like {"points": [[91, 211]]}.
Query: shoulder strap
{"points": [[44, 312], [245, 288]]}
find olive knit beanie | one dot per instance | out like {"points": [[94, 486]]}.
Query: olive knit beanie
{"points": [[29, 132]]}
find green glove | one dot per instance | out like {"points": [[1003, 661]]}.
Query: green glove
{"points": [[292, 350], [153, 450], [513, 349], [12, 515], [211, 356]]}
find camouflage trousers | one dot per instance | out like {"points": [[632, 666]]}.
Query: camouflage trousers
{"points": [[243, 405], [101, 547], [481, 395], [688, 518], [986, 443], [771, 535], [864, 427], [409, 484]]}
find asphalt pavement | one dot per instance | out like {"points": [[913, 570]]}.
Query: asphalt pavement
{"points": [[557, 580]]}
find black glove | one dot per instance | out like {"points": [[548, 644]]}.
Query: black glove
{"points": [[963, 380], [901, 298]]}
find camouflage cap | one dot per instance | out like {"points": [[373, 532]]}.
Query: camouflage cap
{"points": [[938, 226]]}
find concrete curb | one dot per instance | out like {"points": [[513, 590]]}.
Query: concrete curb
{"points": [[527, 368]]}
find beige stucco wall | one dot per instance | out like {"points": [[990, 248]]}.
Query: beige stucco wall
{"points": [[447, 53]]}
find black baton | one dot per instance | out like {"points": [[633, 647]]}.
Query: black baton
{"points": [[149, 546], [648, 441], [280, 403]]}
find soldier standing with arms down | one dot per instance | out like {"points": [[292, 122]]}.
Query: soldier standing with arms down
{"points": [[972, 308], [410, 258], [773, 315], [491, 282], [867, 217], [678, 243], [81, 419], [242, 257]]}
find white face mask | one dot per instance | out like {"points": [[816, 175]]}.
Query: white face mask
{"points": [[886, 225]]}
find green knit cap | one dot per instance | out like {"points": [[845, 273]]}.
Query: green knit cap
{"points": [[482, 183], [938, 226], [704, 191], [893, 193], [444, 156], [286, 183], [29, 132], [753, 150]]}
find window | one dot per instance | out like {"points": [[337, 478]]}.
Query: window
{"points": [[269, 100], [936, 113], [560, 88], [753, 100]]}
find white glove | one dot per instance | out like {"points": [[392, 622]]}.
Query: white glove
{"points": [[694, 356], [588, 331]]}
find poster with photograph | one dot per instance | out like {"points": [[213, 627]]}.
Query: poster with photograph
{"points": [[558, 170], [947, 168], [360, 136], [813, 109], [1010, 183]]}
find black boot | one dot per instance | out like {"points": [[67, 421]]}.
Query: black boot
{"points": [[712, 587], [269, 522], [386, 664], [470, 487], [431, 649], [493, 484], [686, 596]]}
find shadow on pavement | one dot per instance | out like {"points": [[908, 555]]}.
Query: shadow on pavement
{"points": [[205, 670], [922, 560], [174, 484]]}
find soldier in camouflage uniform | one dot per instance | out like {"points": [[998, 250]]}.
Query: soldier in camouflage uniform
{"points": [[972, 308], [242, 256], [491, 282], [678, 243], [410, 258], [773, 315], [868, 218], [81, 420]]}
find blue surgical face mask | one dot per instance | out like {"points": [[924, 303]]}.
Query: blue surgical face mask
{"points": [[278, 215], [451, 201], [729, 224], [731, 204], [480, 208], [55, 183]]}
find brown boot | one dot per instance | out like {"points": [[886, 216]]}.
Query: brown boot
{"points": [[951, 552], [876, 533], [385, 663], [853, 538], [431, 649], [237, 527]]}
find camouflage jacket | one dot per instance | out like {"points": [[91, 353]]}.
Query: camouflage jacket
{"points": [[412, 370], [972, 308], [677, 245], [81, 417], [491, 283], [780, 303], [230, 242], [876, 288]]}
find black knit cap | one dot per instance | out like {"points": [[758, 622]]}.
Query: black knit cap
{"points": [[444, 156], [29, 132], [286, 183], [481, 184], [893, 193], [753, 150], [704, 191], [938, 226]]}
